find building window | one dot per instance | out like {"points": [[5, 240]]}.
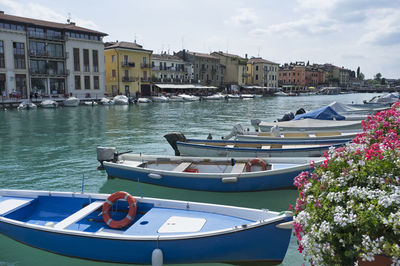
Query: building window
{"points": [[78, 83], [256, 77], [86, 60], [20, 85], [113, 73], [126, 60], [57, 86], [95, 55], [96, 83], [3, 91], [256, 68], [2, 63], [87, 82], [55, 50], [77, 64], [112, 58], [19, 55]]}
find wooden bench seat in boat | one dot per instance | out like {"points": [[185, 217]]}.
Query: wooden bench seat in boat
{"points": [[238, 168], [297, 146], [132, 163], [182, 167], [82, 213], [9, 204], [296, 135], [327, 134]]}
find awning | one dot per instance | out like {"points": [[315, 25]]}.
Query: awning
{"points": [[185, 86]]}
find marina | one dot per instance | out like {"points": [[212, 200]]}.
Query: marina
{"points": [[55, 149]]}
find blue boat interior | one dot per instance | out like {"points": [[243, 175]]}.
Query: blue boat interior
{"points": [[149, 220]]}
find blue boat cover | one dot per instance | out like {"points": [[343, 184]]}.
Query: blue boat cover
{"points": [[323, 113]]}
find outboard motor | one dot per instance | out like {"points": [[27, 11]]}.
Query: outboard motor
{"points": [[255, 123], [236, 130], [172, 138], [300, 111], [105, 154], [286, 117]]}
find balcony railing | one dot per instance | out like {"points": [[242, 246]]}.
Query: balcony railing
{"points": [[45, 54], [172, 69], [128, 64], [42, 35], [128, 79], [48, 72], [144, 65]]}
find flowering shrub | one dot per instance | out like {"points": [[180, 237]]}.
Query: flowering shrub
{"points": [[349, 207]]}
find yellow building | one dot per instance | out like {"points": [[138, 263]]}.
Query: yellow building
{"points": [[127, 68]]}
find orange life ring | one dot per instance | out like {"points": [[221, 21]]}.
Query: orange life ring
{"points": [[110, 201], [256, 161]]}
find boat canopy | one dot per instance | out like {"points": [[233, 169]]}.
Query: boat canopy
{"points": [[323, 113]]}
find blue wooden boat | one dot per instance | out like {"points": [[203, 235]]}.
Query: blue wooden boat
{"points": [[210, 174], [165, 231], [250, 149]]}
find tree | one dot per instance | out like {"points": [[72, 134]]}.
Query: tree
{"points": [[358, 72], [378, 77], [308, 62], [383, 81], [361, 76]]}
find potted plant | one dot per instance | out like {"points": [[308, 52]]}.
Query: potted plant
{"points": [[348, 209]]}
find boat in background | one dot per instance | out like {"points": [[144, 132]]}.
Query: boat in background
{"points": [[142, 230], [309, 125], [26, 105], [144, 100], [160, 99], [90, 103], [234, 97], [71, 102], [189, 98], [217, 96], [206, 173], [121, 100], [49, 104], [281, 93], [247, 96], [106, 101]]}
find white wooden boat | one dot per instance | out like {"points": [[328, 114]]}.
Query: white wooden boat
{"points": [[208, 173], [175, 98], [121, 100], [71, 102], [281, 93], [247, 96], [311, 125], [49, 104], [234, 97], [189, 98], [90, 103], [139, 230]]}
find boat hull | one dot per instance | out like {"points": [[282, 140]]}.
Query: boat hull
{"points": [[241, 182]]}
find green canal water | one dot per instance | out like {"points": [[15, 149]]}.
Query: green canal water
{"points": [[51, 149]]}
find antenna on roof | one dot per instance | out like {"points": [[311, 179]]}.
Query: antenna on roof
{"points": [[182, 42], [168, 48], [69, 17], [258, 55], [135, 38], [227, 45]]}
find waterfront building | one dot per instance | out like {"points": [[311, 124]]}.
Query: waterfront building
{"points": [[43, 58], [128, 69], [292, 77], [167, 68], [261, 72], [235, 68], [336, 76], [206, 68]]}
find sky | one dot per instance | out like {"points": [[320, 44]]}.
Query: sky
{"points": [[348, 33]]}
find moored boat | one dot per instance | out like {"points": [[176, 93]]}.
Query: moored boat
{"points": [[217, 96], [208, 173], [71, 102], [26, 105], [106, 101], [143, 230], [121, 100], [144, 100], [189, 98], [160, 99], [260, 149], [49, 104]]}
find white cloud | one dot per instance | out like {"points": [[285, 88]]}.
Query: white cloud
{"points": [[37, 11], [244, 17]]}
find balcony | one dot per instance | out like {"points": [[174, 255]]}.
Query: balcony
{"points": [[48, 72], [128, 79], [144, 79], [144, 65], [128, 64], [45, 54]]}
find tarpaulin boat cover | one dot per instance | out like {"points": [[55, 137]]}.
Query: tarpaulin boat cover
{"points": [[323, 113]]}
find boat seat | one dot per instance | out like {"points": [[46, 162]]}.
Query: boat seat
{"points": [[265, 134], [276, 146], [82, 213], [230, 146], [238, 168], [327, 134], [266, 147], [182, 167], [10, 204], [296, 135], [132, 163]]}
